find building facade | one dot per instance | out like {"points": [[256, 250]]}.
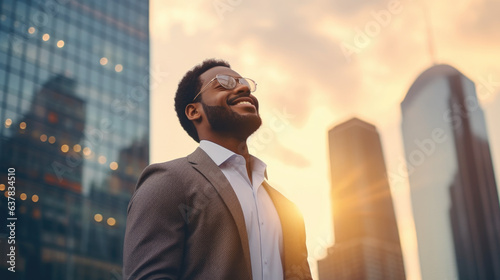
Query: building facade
{"points": [[367, 244], [74, 113], [453, 190]]}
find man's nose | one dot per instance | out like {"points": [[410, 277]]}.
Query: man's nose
{"points": [[242, 89]]}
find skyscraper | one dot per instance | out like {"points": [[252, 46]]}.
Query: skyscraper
{"points": [[74, 123], [453, 190], [367, 244]]}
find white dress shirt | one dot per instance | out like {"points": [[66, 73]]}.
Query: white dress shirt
{"points": [[263, 225]]}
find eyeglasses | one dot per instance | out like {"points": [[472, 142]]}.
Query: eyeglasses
{"points": [[229, 82]]}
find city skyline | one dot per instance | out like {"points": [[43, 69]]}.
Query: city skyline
{"points": [[317, 64]]}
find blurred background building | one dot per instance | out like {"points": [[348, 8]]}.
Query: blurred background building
{"points": [[74, 113], [453, 190], [367, 244]]}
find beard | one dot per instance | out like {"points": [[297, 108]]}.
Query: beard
{"points": [[222, 119]]}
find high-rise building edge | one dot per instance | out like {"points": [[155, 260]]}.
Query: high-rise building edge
{"points": [[74, 124], [367, 244], [453, 190]]}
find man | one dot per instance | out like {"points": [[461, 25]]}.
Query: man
{"points": [[212, 215]]}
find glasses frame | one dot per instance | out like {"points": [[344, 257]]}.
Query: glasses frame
{"points": [[220, 75]]}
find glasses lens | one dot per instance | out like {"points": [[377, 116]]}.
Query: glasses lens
{"points": [[249, 83], [229, 82], [226, 81]]}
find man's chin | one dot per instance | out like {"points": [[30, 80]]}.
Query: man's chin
{"points": [[250, 125]]}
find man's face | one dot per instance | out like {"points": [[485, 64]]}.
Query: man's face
{"points": [[232, 111]]}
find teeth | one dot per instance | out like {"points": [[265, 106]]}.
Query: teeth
{"points": [[243, 102]]}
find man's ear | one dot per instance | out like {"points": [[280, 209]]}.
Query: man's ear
{"points": [[193, 111]]}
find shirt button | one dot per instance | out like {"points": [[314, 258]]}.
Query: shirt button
{"points": [[262, 223]]}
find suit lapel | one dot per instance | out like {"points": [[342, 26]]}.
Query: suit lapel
{"points": [[205, 165], [295, 265]]}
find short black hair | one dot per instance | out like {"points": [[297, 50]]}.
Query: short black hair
{"points": [[188, 87]]}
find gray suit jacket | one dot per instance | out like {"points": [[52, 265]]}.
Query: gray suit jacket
{"points": [[185, 222]]}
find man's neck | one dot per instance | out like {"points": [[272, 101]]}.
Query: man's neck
{"points": [[237, 146]]}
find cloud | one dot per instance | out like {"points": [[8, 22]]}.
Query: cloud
{"points": [[295, 55], [350, 8], [484, 22], [285, 41], [185, 15], [287, 156]]}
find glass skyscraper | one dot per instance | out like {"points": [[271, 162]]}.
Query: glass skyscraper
{"points": [[367, 244], [453, 190], [74, 123]]}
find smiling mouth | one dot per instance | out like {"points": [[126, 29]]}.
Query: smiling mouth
{"points": [[243, 102]]}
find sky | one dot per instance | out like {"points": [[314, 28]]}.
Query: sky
{"points": [[317, 64]]}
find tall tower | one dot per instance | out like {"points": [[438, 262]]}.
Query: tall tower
{"points": [[367, 244], [454, 194], [74, 123]]}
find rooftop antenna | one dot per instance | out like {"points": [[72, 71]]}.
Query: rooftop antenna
{"points": [[430, 41]]}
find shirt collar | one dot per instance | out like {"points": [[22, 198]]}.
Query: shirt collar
{"points": [[216, 152], [220, 155]]}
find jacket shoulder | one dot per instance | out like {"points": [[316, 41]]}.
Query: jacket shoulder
{"points": [[164, 178], [169, 170]]}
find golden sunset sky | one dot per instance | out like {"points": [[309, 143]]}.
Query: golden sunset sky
{"points": [[317, 64]]}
